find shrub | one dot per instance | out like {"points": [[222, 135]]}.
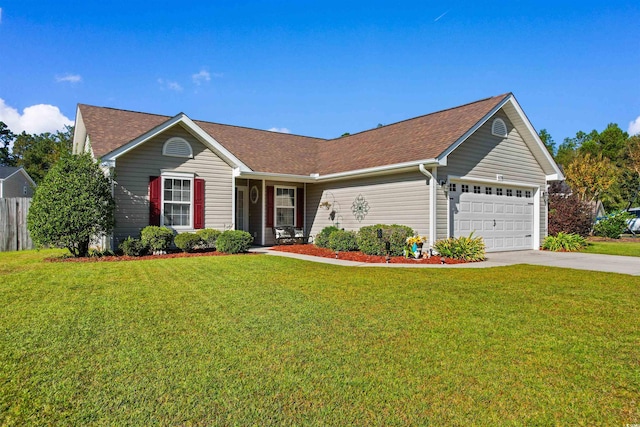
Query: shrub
{"points": [[564, 242], [234, 241], [187, 242], [396, 235], [322, 239], [72, 205], [209, 237], [343, 241], [569, 214], [133, 247], [157, 239], [613, 225], [463, 248]]}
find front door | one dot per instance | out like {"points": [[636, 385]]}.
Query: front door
{"points": [[242, 208]]}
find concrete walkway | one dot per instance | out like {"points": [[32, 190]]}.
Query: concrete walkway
{"points": [[579, 261]]}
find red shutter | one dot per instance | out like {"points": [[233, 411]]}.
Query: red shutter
{"points": [[270, 203], [198, 203], [300, 207], [155, 187]]}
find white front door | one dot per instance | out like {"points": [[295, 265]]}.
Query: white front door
{"points": [[503, 216], [242, 208]]}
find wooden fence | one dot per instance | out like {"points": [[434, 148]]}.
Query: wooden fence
{"points": [[13, 224]]}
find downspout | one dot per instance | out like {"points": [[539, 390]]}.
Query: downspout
{"points": [[432, 203]]}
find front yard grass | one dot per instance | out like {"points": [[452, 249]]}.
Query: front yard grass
{"points": [[262, 340], [625, 248]]}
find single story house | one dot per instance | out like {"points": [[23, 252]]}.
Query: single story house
{"points": [[15, 182], [479, 167]]}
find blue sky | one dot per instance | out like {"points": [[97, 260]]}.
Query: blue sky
{"points": [[321, 68]]}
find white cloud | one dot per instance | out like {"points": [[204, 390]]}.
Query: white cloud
{"points": [[35, 119], [281, 130], [634, 127], [202, 76], [166, 84], [70, 78]]}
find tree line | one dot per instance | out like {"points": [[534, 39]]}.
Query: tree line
{"points": [[37, 153], [602, 166]]}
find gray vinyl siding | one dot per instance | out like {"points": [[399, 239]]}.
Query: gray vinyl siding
{"points": [[134, 168], [442, 208], [14, 186], [392, 199], [484, 156]]}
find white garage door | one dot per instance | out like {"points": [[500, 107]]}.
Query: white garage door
{"points": [[502, 216]]}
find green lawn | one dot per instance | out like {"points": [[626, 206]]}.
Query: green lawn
{"points": [[261, 340], [614, 248]]}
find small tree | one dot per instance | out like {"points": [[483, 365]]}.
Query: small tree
{"points": [[72, 205]]}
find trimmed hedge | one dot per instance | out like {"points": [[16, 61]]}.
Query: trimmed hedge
{"points": [[397, 235], [234, 241], [157, 239], [133, 247], [344, 241], [322, 238], [209, 237], [187, 242]]}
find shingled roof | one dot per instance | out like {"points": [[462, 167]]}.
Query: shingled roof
{"points": [[424, 137]]}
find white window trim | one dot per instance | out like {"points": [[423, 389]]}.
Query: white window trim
{"points": [[183, 176], [275, 204], [177, 139]]}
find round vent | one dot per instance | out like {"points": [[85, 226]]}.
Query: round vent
{"points": [[499, 128], [177, 147]]}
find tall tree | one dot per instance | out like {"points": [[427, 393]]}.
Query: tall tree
{"points": [[590, 176], [6, 139], [548, 141]]}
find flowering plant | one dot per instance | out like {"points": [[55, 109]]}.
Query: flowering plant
{"points": [[416, 239]]}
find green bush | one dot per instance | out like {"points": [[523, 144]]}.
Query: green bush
{"points": [[133, 247], [397, 235], [209, 237], [322, 239], [613, 225], [72, 205], [234, 241], [569, 242], [343, 241], [187, 242], [157, 239], [463, 248]]}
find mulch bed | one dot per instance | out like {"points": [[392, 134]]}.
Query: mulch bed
{"points": [[138, 258], [313, 250]]}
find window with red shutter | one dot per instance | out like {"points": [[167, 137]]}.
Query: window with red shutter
{"points": [[155, 189], [270, 206], [198, 204], [300, 207]]}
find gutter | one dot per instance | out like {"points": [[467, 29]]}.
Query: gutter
{"points": [[432, 203]]}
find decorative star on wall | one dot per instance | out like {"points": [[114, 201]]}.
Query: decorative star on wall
{"points": [[360, 208]]}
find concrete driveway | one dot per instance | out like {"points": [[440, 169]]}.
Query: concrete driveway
{"points": [[578, 261]]}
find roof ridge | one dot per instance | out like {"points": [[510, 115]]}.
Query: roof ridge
{"points": [[504, 95], [202, 121]]}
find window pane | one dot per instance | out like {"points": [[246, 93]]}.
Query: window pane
{"points": [[284, 216]]}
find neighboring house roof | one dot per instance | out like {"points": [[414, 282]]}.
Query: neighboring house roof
{"points": [[7, 171], [427, 137]]}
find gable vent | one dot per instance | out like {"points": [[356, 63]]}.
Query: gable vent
{"points": [[177, 147], [499, 128]]}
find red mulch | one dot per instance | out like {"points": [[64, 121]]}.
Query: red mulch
{"points": [[138, 258], [313, 250]]}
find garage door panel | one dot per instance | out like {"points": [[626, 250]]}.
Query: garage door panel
{"points": [[504, 222]]}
